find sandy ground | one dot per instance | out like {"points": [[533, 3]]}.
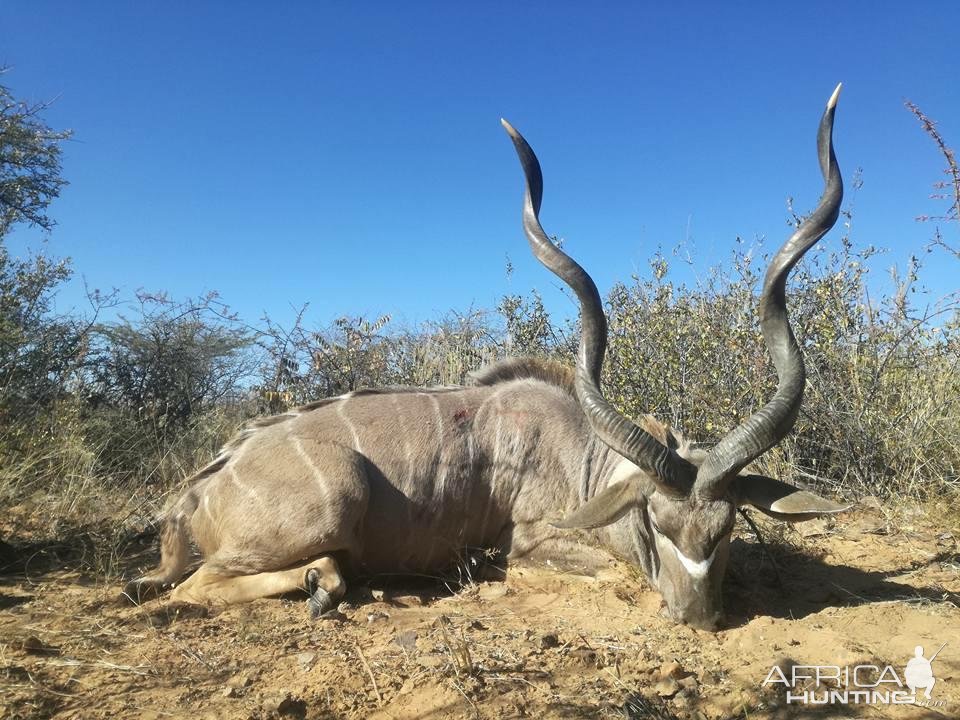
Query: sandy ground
{"points": [[864, 590]]}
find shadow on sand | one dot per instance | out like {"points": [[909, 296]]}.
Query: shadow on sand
{"points": [[810, 585]]}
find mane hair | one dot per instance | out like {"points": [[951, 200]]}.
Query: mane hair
{"points": [[548, 371], [661, 432], [563, 376]]}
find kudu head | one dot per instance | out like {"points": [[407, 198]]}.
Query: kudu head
{"points": [[686, 498]]}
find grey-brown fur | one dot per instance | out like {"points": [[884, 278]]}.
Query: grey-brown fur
{"points": [[482, 466], [430, 474]]}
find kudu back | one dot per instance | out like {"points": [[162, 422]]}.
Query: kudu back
{"points": [[405, 480]]}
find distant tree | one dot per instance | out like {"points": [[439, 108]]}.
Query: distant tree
{"points": [[173, 361], [529, 329], [157, 383], [304, 365], [37, 351], [29, 163]]}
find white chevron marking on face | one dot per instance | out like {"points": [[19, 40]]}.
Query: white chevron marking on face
{"points": [[696, 568]]}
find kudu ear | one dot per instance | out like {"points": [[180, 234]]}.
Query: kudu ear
{"points": [[605, 507], [782, 501]]}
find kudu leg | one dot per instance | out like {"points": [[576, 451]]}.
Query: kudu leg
{"points": [[320, 578]]}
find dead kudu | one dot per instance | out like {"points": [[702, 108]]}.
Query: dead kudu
{"points": [[403, 480]]}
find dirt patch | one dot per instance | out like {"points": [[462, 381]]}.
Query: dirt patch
{"points": [[544, 643]]}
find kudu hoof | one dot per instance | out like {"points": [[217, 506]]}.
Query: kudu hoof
{"points": [[320, 601], [139, 591]]}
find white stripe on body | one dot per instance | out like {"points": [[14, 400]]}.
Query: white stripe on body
{"points": [[232, 474], [341, 411]]}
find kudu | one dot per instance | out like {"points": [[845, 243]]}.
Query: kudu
{"points": [[403, 480]]}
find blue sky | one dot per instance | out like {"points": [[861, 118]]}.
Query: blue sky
{"points": [[350, 154]]}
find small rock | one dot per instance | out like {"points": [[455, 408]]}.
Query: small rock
{"points": [[667, 688], [230, 692], [689, 685], [306, 659], [672, 669], [377, 595], [240, 680], [377, 616], [174, 611], [550, 640], [710, 678]]}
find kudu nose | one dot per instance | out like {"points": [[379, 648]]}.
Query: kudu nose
{"points": [[711, 621]]}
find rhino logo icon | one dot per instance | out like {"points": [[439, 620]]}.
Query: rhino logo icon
{"points": [[919, 672]]}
